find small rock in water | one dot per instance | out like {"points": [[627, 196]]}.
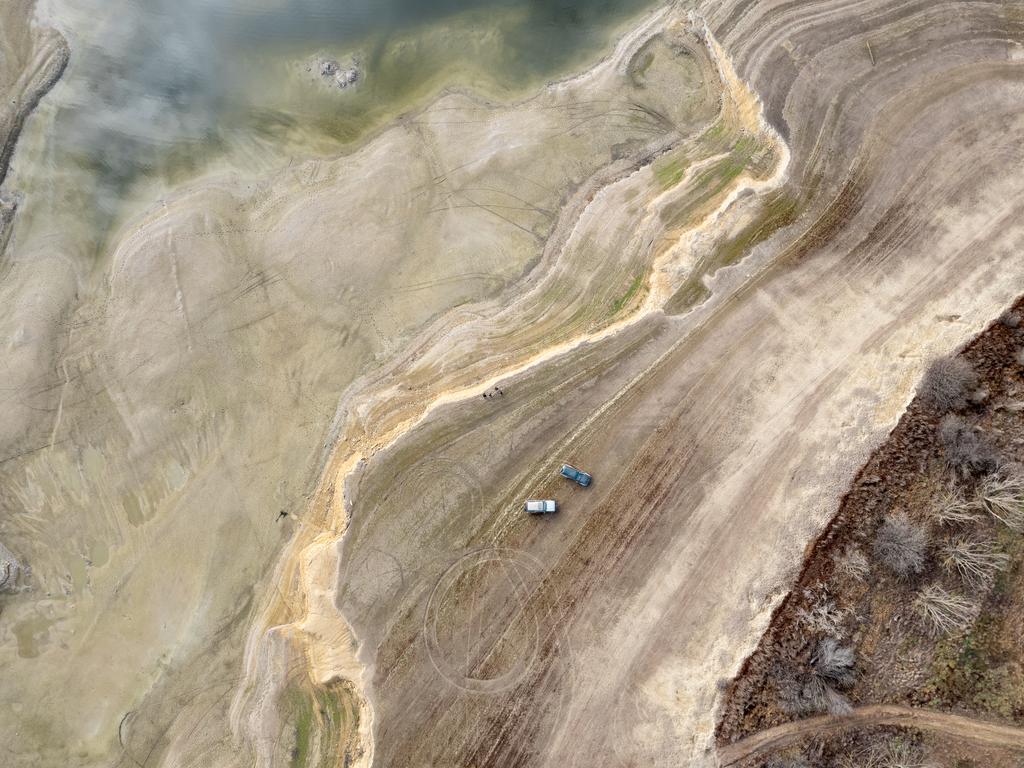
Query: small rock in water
{"points": [[328, 67], [347, 77], [337, 75]]}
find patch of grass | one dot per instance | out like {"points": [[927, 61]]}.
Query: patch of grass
{"points": [[715, 133], [670, 172], [303, 709], [321, 711], [779, 212], [971, 672], [623, 300]]}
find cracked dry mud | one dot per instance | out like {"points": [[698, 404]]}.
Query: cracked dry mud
{"points": [[709, 270]]}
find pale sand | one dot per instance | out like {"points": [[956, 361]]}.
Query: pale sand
{"points": [[720, 440], [185, 385]]}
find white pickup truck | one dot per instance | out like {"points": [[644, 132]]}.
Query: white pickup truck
{"points": [[541, 506]]}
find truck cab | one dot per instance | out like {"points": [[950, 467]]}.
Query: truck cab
{"points": [[578, 476], [541, 506]]}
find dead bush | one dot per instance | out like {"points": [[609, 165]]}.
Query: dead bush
{"points": [[944, 612], [853, 563], [977, 562], [966, 449], [811, 685], [953, 509], [1002, 496], [811, 695], [946, 383], [787, 762], [834, 662], [898, 752], [901, 546], [821, 615], [893, 752]]}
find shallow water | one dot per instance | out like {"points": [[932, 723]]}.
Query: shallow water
{"points": [[159, 91]]}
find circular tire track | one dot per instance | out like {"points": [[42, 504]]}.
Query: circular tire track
{"points": [[481, 627], [431, 489]]}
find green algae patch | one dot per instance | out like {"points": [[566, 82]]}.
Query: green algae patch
{"points": [[323, 722], [624, 300], [670, 172], [780, 210]]}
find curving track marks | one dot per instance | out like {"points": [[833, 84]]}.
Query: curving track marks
{"points": [[723, 438]]}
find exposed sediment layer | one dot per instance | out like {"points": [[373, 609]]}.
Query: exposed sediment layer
{"points": [[625, 205], [32, 59], [719, 431]]}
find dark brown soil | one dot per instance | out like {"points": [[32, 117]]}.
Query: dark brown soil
{"points": [[979, 671], [868, 746]]}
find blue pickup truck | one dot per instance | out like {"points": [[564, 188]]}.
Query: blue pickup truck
{"points": [[578, 475]]}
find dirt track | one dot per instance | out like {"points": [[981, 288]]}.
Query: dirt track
{"points": [[720, 438], [967, 728]]}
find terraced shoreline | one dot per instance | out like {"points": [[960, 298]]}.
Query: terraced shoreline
{"points": [[421, 385], [33, 61], [709, 270]]}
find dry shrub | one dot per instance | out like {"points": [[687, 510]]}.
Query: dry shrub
{"points": [[894, 752], [787, 762], [946, 383], [821, 615], [834, 662], [953, 509], [967, 450], [853, 563], [1002, 496], [943, 611], [977, 562], [814, 687], [901, 546], [811, 696]]}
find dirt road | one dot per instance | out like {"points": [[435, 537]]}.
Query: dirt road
{"points": [[967, 728]]}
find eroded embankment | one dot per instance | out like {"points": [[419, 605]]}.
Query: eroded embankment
{"points": [[467, 352], [924, 481]]}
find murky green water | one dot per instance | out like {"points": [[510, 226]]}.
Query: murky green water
{"points": [[161, 90]]}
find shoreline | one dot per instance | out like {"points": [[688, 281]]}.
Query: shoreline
{"points": [[339, 470], [42, 74], [37, 78], [898, 474]]}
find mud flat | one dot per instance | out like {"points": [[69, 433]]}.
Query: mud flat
{"points": [[722, 432], [32, 59], [709, 270], [166, 403]]}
